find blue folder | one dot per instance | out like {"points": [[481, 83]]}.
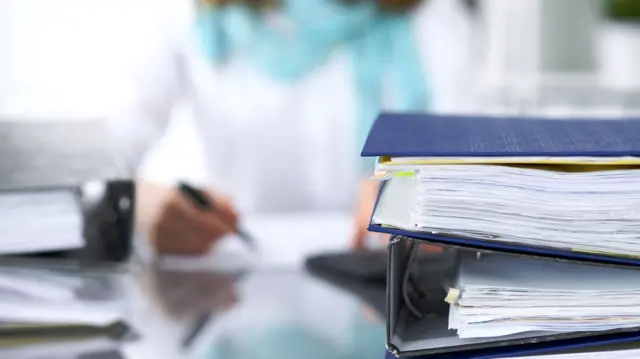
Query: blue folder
{"points": [[608, 343], [421, 135]]}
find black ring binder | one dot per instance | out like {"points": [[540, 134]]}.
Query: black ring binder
{"points": [[108, 227]]}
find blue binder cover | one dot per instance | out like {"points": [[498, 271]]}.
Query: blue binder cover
{"points": [[509, 247], [421, 135], [595, 344]]}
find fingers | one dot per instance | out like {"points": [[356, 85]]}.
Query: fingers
{"points": [[181, 227], [171, 240], [359, 236], [214, 223], [221, 219]]}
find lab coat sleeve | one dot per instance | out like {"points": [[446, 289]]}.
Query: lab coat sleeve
{"points": [[158, 82], [181, 154], [136, 128]]}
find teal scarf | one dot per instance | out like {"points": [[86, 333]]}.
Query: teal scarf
{"points": [[381, 46]]}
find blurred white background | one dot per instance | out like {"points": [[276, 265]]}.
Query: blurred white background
{"points": [[533, 56], [57, 62]]}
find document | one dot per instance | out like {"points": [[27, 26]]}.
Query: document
{"points": [[63, 349], [39, 221], [283, 240], [567, 208], [498, 295], [42, 298]]}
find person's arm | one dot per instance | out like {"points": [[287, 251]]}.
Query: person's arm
{"points": [[174, 73], [140, 123], [157, 80]]}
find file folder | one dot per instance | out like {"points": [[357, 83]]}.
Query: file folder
{"points": [[107, 228], [415, 285], [66, 156], [420, 135], [562, 141]]}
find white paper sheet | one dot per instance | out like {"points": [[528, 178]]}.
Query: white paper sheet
{"points": [[42, 296], [501, 294], [39, 221], [566, 210]]}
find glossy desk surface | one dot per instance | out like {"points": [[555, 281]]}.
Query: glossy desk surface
{"points": [[262, 314], [273, 309]]}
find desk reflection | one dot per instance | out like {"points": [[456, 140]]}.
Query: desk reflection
{"points": [[289, 314], [189, 294]]}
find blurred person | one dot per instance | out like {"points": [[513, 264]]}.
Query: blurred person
{"points": [[282, 95]]}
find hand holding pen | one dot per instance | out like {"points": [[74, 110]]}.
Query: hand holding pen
{"points": [[181, 224], [208, 204]]}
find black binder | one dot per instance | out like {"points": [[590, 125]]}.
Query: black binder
{"points": [[66, 155], [108, 227], [417, 315]]}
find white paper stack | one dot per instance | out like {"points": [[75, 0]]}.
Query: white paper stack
{"points": [[38, 221], [567, 210], [43, 298], [499, 295]]}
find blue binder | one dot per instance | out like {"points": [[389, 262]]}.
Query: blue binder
{"points": [[594, 345], [421, 135]]}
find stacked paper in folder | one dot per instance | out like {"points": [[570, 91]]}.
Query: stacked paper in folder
{"points": [[40, 221], [533, 206], [560, 184], [33, 300], [499, 295]]}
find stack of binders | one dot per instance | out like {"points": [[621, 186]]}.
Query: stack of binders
{"points": [[540, 219], [66, 233]]}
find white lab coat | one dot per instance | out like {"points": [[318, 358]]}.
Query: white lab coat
{"points": [[270, 146]]}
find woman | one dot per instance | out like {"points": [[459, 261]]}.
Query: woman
{"points": [[283, 98]]}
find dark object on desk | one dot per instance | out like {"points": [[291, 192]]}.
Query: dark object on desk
{"points": [[417, 314], [205, 203], [108, 224], [54, 154], [361, 273]]}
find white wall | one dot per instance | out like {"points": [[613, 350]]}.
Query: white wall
{"points": [[79, 59], [531, 37], [70, 58]]}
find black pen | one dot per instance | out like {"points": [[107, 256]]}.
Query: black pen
{"points": [[205, 203]]}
